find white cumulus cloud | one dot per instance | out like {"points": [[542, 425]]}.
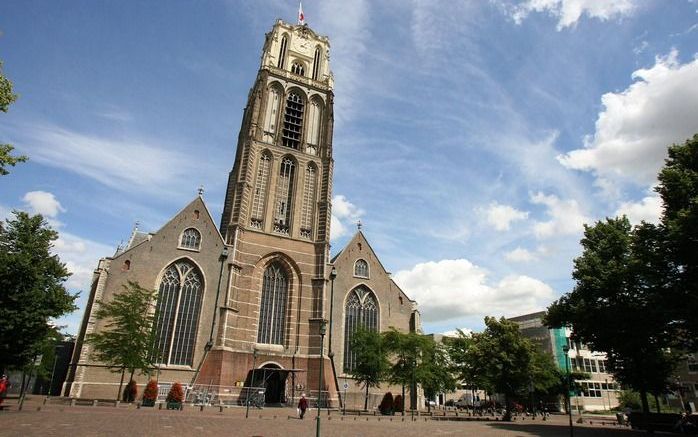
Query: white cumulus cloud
{"points": [[453, 288], [648, 209], [501, 216], [44, 203], [569, 12], [344, 215], [566, 216], [638, 123]]}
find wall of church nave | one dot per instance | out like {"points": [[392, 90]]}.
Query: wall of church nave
{"points": [[101, 383]]}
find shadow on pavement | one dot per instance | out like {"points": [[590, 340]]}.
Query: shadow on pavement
{"points": [[560, 430]]}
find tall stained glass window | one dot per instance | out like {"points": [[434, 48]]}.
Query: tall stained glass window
{"points": [[361, 311], [272, 311], [178, 309]]}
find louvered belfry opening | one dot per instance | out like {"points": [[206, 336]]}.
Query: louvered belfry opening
{"points": [[293, 121]]}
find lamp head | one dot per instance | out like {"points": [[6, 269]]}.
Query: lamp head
{"points": [[333, 273], [565, 349], [323, 327]]}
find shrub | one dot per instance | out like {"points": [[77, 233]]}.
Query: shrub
{"points": [[176, 393], [386, 405], [398, 404], [151, 391], [130, 391], [629, 399]]}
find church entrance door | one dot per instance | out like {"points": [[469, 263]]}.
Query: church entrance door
{"points": [[275, 382]]}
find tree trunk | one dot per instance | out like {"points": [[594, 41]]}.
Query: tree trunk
{"points": [[656, 402], [130, 378], [507, 414], [121, 383], [403, 399], [645, 403], [366, 399]]}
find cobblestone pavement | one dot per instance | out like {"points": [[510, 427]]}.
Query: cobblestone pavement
{"points": [[58, 420]]}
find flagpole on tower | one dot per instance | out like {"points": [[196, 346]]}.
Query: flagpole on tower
{"points": [[301, 17]]}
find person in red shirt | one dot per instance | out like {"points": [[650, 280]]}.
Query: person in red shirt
{"points": [[302, 405], [3, 388]]}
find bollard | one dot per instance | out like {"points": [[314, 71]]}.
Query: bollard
{"points": [[201, 408], [45, 400], [94, 402], [160, 406], [72, 402], [221, 408]]}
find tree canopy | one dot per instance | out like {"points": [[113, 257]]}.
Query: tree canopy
{"points": [[32, 288], [7, 97], [126, 341], [618, 303], [371, 359], [678, 188], [499, 360]]}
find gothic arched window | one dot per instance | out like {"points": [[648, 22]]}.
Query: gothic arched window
{"points": [[178, 308], [316, 63], [293, 120], [260, 192], [191, 239], [272, 310], [312, 137], [284, 196], [361, 311], [271, 114], [298, 69], [361, 268], [282, 52], [308, 209]]}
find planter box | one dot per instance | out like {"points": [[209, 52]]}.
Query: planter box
{"points": [[174, 405], [148, 403]]}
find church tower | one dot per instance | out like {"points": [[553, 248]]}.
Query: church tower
{"points": [[276, 219]]}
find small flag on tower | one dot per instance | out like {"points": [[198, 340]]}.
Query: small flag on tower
{"points": [[301, 17]]}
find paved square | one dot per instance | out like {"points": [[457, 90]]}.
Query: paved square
{"points": [[59, 420]]}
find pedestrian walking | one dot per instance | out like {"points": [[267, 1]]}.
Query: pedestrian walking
{"points": [[3, 388], [302, 405]]}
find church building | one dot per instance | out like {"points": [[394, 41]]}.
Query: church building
{"points": [[256, 301]]}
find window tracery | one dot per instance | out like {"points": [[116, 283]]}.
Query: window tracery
{"points": [[178, 309], [260, 192], [308, 209], [191, 239], [361, 311], [361, 268], [284, 197], [272, 312]]}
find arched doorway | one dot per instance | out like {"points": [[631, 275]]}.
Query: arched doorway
{"points": [[275, 383]]}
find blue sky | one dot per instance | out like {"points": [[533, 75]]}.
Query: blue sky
{"points": [[472, 139]]}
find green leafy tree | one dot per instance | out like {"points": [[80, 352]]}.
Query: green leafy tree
{"points": [[502, 358], [434, 372], [371, 359], [404, 350], [126, 341], [7, 97], [32, 289], [459, 349], [618, 305], [678, 188]]}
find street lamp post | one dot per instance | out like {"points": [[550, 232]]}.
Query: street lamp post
{"points": [[333, 276], [254, 366], [566, 350], [323, 329]]}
